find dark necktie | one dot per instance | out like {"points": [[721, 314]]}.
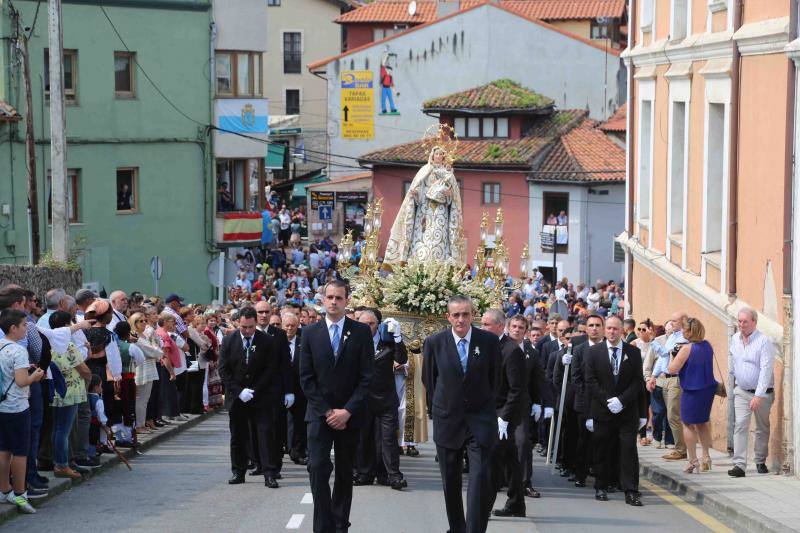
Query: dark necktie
{"points": [[616, 362], [247, 342]]}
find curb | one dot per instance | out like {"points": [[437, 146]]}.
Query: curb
{"points": [[712, 501], [59, 485]]}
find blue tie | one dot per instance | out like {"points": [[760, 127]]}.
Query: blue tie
{"points": [[335, 340], [462, 354], [247, 342]]}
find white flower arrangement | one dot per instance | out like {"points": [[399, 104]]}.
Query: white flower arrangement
{"points": [[423, 288]]}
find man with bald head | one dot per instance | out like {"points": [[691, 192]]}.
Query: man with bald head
{"points": [[119, 304], [297, 438], [670, 383]]}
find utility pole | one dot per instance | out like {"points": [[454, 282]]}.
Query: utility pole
{"points": [[58, 139], [30, 151]]}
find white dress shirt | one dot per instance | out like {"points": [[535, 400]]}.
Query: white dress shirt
{"points": [[752, 363], [611, 358], [340, 323], [292, 344], [467, 337]]}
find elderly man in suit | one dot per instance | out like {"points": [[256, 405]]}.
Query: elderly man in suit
{"points": [[378, 454], [298, 439], [250, 368], [336, 366], [459, 373], [613, 371]]}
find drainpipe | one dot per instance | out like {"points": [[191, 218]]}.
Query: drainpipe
{"points": [[632, 25], [733, 157]]}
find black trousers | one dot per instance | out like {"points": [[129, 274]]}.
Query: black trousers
{"points": [[479, 489], [378, 455], [192, 398], [331, 511], [297, 432], [615, 443], [506, 468], [583, 449], [278, 436], [567, 444], [244, 420], [533, 439]]}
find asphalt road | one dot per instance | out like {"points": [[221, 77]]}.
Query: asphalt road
{"points": [[180, 486]]}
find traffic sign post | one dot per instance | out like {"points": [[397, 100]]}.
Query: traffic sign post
{"points": [[325, 212], [156, 270]]}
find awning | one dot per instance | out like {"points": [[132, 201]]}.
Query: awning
{"points": [[299, 189], [276, 156]]}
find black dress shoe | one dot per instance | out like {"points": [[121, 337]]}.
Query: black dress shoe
{"points": [[633, 498], [600, 495], [360, 481], [530, 492], [762, 468], [257, 472], [412, 451], [736, 472], [399, 484], [237, 479], [505, 511], [580, 483], [270, 482]]}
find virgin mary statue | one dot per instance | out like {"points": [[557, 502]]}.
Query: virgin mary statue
{"points": [[428, 226]]}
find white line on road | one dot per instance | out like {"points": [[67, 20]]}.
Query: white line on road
{"points": [[295, 521], [307, 498]]}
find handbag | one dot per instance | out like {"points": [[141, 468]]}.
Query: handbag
{"points": [[720, 391]]}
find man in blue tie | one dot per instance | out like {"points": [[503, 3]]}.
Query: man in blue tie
{"points": [[459, 373]]}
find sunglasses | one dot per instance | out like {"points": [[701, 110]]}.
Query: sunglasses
{"points": [[641, 329], [141, 320]]}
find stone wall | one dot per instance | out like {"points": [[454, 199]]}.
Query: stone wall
{"points": [[40, 279]]}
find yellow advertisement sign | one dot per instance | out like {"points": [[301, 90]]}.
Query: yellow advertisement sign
{"points": [[357, 106]]}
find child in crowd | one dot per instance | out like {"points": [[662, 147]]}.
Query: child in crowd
{"points": [[98, 430]]}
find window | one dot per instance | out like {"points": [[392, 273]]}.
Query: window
{"points": [[645, 148], [238, 73], [715, 166], [70, 74], [646, 22], [240, 184], [292, 52], [72, 196], [124, 81], [292, 101], [678, 151], [127, 190], [679, 20], [274, 3], [481, 127], [491, 193], [599, 30], [382, 33]]}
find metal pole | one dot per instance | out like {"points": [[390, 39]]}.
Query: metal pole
{"points": [[58, 139], [561, 408], [30, 159], [555, 244], [549, 442], [221, 279]]}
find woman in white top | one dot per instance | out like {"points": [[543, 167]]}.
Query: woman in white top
{"points": [[593, 299], [644, 340], [147, 372]]}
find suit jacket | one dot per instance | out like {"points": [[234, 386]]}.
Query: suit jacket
{"points": [[297, 390], [558, 378], [340, 382], [262, 372], [458, 400], [511, 386], [540, 346], [537, 392], [582, 399], [601, 385], [382, 390], [286, 362]]}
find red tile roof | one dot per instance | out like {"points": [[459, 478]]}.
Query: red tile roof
{"points": [[584, 154], [499, 95], [618, 123], [397, 11], [488, 152]]}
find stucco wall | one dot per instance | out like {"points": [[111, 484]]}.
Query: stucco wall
{"points": [[240, 24]]}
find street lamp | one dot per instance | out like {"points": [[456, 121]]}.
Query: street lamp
{"points": [[523, 263]]}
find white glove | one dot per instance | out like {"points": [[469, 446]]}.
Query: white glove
{"points": [[566, 359], [394, 328], [536, 412], [548, 412], [642, 422], [614, 405], [246, 395], [288, 400], [502, 428], [590, 425]]}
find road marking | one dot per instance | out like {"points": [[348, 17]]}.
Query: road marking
{"points": [[704, 518], [295, 521], [307, 498]]}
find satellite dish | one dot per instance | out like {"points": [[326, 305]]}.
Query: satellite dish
{"points": [[412, 7]]}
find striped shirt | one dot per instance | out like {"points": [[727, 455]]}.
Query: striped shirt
{"points": [[180, 325], [752, 362]]}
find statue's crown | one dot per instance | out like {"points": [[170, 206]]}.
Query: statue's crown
{"points": [[444, 137]]}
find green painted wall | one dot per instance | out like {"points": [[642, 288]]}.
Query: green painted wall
{"points": [[105, 133]]}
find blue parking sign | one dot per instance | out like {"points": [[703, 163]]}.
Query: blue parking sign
{"points": [[325, 212]]}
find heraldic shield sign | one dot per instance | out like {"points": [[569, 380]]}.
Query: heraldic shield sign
{"points": [[242, 116]]}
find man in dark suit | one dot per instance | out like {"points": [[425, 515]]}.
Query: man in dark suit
{"points": [[539, 400], [583, 449], [298, 437], [459, 373], [250, 368], [569, 438], [614, 379], [512, 409], [552, 325], [378, 455], [335, 373]]}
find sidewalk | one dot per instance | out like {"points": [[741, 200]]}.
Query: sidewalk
{"points": [[757, 502], [107, 461]]}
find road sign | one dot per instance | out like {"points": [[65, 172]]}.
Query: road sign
{"points": [[547, 241], [320, 198], [357, 104], [156, 267], [229, 275], [325, 212]]}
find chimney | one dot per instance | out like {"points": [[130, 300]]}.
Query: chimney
{"points": [[447, 7]]}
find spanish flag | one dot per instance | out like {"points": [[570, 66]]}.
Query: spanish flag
{"points": [[243, 227]]}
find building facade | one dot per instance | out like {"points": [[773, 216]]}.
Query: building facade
{"points": [[138, 169], [710, 149]]}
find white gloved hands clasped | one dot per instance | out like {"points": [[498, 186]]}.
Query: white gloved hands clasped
{"points": [[502, 428], [288, 400], [536, 412], [246, 395], [614, 405], [548, 412], [566, 359], [590, 425], [393, 326]]}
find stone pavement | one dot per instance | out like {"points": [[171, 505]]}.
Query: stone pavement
{"points": [[59, 485], [757, 502]]}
